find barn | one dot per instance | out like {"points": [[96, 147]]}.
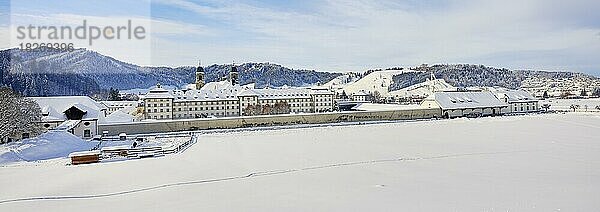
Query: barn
{"points": [[465, 104]]}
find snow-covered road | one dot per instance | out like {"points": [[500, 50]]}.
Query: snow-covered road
{"points": [[522, 163]]}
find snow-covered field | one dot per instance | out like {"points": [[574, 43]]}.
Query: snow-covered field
{"points": [[518, 163], [565, 104]]}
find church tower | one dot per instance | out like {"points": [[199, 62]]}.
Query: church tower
{"points": [[234, 75], [199, 77]]}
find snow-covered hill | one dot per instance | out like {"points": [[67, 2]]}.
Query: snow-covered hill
{"points": [[377, 81], [422, 90], [84, 72]]}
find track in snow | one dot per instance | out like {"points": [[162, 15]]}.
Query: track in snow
{"points": [[251, 175]]}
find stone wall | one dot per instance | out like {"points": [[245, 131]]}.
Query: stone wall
{"points": [[263, 121]]}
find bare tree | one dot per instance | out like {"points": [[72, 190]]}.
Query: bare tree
{"points": [[266, 110], [376, 97], [546, 107], [282, 108], [574, 107], [249, 110]]}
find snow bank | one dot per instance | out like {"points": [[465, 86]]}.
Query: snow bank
{"points": [[54, 144]]}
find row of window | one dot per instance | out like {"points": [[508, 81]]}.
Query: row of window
{"points": [[161, 117], [159, 105], [205, 103], [532, 108], [208, 108], [194, 109], [284, 100], [300, 105], [323, 100], [161, 110], [208, 114], [232, 102], [157, 100], [323, 104]]}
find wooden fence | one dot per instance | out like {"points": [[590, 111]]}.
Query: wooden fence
{"points": [[127, 153]]}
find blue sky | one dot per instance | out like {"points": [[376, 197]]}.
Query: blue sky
{"points": [[345, 35]]}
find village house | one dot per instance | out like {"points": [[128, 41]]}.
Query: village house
{"points": [[79, 115], [361, 96]]}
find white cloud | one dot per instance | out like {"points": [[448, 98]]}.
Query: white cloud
{"points": [[342, 35]]}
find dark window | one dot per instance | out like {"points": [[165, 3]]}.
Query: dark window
{"points": [[87, 133]]}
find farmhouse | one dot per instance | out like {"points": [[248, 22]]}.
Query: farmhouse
{"points": [[461, 104], [78, 115], [361, 96]]}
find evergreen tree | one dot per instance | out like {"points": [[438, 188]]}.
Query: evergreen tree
{"points": [[113, 95], [18, 115]]}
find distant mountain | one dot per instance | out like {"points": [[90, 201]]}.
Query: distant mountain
{"points": [[47, 72], [465, 75]]}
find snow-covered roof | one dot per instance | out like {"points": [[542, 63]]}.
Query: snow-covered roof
{"points": [[278, 93], [465, 100], [158, 93], [119, 103], [360, 93], [224, 90], [211, 91], [515, 95], [119, 117], [53, 108], [67, 125], [383, 107], [85, 153]]}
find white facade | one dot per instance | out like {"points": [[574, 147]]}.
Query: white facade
{"points": [[113, 106], [223, 99], [360, 96], [519, 101]]}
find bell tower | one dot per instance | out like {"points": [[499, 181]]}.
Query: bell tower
{"points": [[199, 76], [234, 75]]}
